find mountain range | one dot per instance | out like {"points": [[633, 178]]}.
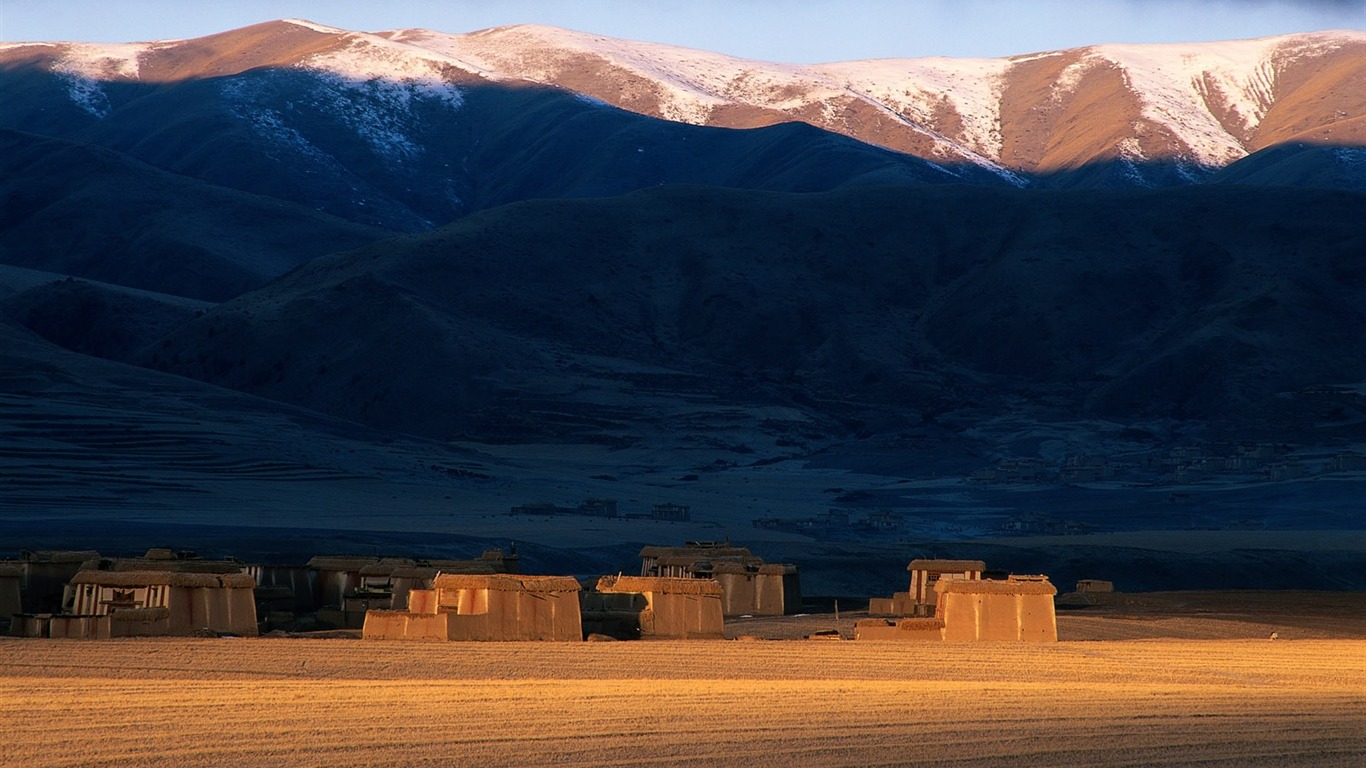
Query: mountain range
{"points": [[1191, 108], [640, 263]]}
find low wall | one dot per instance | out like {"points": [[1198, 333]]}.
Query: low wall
{"points": [[404, 625], [81, 627], [31, 625], [919, 630], [140, 622], [899, 604]]}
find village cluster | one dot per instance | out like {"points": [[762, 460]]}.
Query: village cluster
{"points": [[684, 592]]}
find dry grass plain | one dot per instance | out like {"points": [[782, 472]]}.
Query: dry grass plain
{"points": [[332, 702]]}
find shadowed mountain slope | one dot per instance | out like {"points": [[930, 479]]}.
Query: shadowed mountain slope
{"points": [[89, 212], [864, 310], [410, 129], [405, 146], [1299, 165]]}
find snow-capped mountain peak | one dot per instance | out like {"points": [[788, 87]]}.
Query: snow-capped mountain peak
{"points": [[1199, 105], [1191, 107]]}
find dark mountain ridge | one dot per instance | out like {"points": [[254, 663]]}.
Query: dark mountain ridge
{"points": [[874, 307], [82, 210], [405, 158]]}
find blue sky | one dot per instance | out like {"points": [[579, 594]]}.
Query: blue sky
{"points": [[778, 30]]}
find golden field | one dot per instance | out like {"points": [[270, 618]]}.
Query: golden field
{"points": [[336, 702]]}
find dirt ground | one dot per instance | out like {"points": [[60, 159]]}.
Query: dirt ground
{"points": [[1227, 697], [1185, 615]]}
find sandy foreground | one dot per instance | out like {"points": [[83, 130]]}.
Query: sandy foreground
{"points": [[284, 701]]}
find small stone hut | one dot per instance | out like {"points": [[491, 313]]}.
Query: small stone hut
{"points": [[422, 575], [1017, 608], [167, 602], [629, 607], [749, 586], [769, 589], [484, 607], [1014, 608], [920, 599], [156, 559], [345, 588], [678, 562]]}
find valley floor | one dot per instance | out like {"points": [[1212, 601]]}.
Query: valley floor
{"points": [[332, 702]]}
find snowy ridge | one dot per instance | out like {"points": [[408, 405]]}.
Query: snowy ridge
{"points": [[691, 84], [323, 28], [917, 88], [84, 66], [373, 84], [1199, 104], [1179, 85], [1206, 96], [397, 69]]}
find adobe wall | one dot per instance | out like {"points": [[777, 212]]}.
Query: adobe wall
{"points": [[880, 606], [420, 600], [516, 615], [656, 614], [776, 594], [62, 626], [228, 610], [916, 630], [404, 586], [88, 599], [81, 627], [998, 616], [1038, 619], [144, 622], [30, 625], [404, 625], [747, 593], [682, 616], [738, 594], [466, 601], [899, 604], [241, 617]]}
